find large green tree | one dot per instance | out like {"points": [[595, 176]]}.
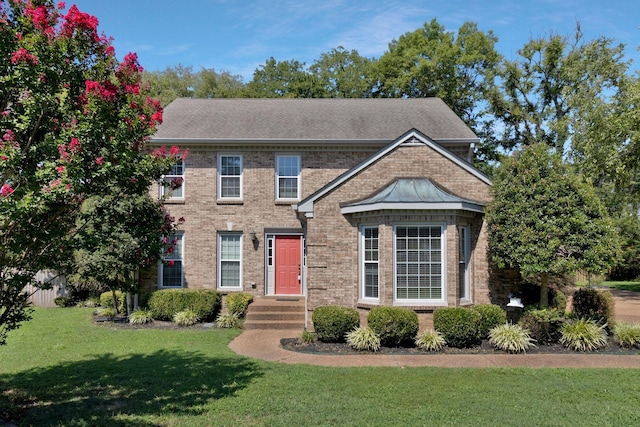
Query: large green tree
{"points": [[544, 220], [74, 124], [286, 79], [432, 61], [555, 90], [343, 74]]}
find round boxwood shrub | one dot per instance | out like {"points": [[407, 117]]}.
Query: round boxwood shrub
{"points": [[332, 323], [458, 326], [205, 303], [395, 326], [492, 316], [594, 304]]}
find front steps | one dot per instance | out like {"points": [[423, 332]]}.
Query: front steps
{"points": [[275, 313]]}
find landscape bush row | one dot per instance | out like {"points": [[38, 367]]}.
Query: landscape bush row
{"points": [[184, 307], [586, 328]]}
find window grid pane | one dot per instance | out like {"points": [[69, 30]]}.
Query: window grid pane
{"points": [[230, 263], [172, 265], [288, 171], [418, 262], [370, 268], [230, 174]]}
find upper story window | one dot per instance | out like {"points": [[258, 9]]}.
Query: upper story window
{"points": [[172, 184], [288, 177], [230, 176]]}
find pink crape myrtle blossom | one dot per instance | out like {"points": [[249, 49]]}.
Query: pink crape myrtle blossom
{"points": [[5, 190]]}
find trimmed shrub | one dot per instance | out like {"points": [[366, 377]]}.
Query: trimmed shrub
{"points": [[627, 335], [106, 300], [238, 303], [430, 340], [543, 324], [583, 335], [186, 317], [511, 338], [458, 326], [595, 304], [140, 317], [559, 301], [492, 316], [105, 312], [332, 322], [164, 304], [363, 338], [227, 321], [395, 326]]}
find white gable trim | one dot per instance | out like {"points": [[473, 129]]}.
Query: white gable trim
{"points": [[413, 137]]}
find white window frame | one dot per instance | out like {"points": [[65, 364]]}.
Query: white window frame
{"points": [[364, 250], [164, 189], [221, 260], [221, 177], [297, 177], [464, 260], [442, 301], [177, 256]]}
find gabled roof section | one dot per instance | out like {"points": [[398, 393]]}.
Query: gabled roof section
{"points": [[412, 194], [308, 120], [412, 137]]}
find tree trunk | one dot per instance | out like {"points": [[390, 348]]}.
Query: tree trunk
{"points": [[544, 290]]}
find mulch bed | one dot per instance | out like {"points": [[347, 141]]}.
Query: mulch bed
{"points": [[317, 347]]}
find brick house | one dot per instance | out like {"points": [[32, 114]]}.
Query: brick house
{"points": [[354, 202]]}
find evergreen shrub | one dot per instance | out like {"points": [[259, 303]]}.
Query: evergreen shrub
{"points": [[332, 323], [396, 326], [205, 303], [238, 303], [491, 316], [459, 326], [594, 304]]}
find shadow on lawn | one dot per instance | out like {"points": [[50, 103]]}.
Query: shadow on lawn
{"points": [[94, 392]]}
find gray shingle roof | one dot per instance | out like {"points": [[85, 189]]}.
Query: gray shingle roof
{"points": [[282, 119]]}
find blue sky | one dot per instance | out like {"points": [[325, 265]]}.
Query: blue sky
{"points": [[240, 35]]}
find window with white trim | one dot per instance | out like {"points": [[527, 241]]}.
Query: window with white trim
{"points": [[230, 176], [172, 184], [419, 263], [464, 255], [288, 177], [171, 268], [369, 245], [230, 261]]}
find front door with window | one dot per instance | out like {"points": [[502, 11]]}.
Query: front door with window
{"points": [[287, 265]]}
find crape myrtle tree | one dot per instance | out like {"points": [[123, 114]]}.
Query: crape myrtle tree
{"points": [[544, 220], [73, 125]]}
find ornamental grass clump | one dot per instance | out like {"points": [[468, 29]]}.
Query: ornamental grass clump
{"points": [[511, 338], [363, 338], [430, 340], [140, 317], [307, 337], [626, 334], [583, 335], [186, 317], [227, 320]]}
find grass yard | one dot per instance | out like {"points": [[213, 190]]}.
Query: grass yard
{"points": [[623, 286], [61, 369]]}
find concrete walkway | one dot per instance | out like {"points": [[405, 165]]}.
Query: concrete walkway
{"points": [[265, 345]]}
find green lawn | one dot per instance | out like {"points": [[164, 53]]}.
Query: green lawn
{"points": [[625, 286], [60, 369]]}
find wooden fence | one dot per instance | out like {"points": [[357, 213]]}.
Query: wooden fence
{"points": [[582, 276], [45, 298]]}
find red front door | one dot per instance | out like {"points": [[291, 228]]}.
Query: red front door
{"points": [[287, 264]]}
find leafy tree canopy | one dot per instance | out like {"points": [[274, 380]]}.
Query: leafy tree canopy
{"points": [[545, 220]]}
